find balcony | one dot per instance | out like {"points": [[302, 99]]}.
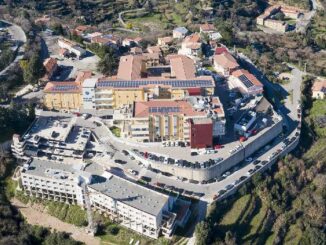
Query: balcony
{"points": [[103, 98]]}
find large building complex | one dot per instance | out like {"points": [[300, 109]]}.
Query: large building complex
{"points": [[194, 121], [134, 82], [138, 208]]}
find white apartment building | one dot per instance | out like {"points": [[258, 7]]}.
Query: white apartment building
{"points": [[54, 181], [72, 47], [136, 207]]}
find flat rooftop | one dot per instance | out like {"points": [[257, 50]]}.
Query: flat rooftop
{"points": [[51, 128], [54, 170], [132, 194]]}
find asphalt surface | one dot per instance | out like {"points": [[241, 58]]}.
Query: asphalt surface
{"points": [[17, 34]]}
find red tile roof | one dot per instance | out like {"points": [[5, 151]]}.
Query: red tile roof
{"points": [[220, 50], [50, 64], [183, 67], [130, 67], [207, 27], [82, 75], [251, 77], [226, 60], [62, 87], [319, 85]]}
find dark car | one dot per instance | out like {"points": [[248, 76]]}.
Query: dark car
{"points": [[146, 179], [193, 181], [242, 178], [220, 178], [124, 152], [189, 193], [167, 174], [264, 162], [155, 170], [257, 167], [194, 153], [221, 192], [256, 162]]}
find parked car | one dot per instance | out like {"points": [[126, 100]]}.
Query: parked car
{"points": [[256, 162], [193, 181], [250, 172], [133, 172], [146, 178], [229, 187], [257, 167], [264, 162]]}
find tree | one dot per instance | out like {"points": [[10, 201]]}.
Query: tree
{"points": [[108, 64], [203, 232], [32, 69]]}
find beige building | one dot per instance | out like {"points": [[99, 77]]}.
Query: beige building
{"points": [[62, 95], [225, 63], [136, 81]]}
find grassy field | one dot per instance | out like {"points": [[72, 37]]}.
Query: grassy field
{"points": [[238, 207], [318, 110]]}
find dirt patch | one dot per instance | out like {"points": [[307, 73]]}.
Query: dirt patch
{"points": [[36, 215]]}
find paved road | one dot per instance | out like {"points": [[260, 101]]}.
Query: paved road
{"points": [[17, 34]]}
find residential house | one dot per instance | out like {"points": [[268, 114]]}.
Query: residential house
{"points": [[319, 89], [180, 32], [51, 66], [164, 41], [191, 45], [225, 63], [246, 83]]}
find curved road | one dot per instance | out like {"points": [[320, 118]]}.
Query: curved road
{"points": [[17, 34]]}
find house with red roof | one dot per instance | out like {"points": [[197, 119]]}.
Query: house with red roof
{"points": [[247, 84]]}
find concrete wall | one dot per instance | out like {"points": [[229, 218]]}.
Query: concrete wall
{"points": [[266, 137], [286, 151], [217, 170]]}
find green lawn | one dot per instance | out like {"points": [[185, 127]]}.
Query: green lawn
{"points": [[256, 221], [318, 109], [152, 20], [233, 214]]}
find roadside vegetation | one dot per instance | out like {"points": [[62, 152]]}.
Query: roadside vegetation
{"points": [[14, 119], [285, 205]]}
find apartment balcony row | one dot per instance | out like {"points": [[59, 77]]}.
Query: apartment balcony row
{"points": [[104, 98]]}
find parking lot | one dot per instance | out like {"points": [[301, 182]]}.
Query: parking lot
{"points": [[68, 67]]}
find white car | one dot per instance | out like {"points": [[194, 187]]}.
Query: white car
{"points": [[133, 172], [165, 160]]}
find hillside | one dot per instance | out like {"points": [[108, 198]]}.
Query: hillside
{"points": [[283, 206]]}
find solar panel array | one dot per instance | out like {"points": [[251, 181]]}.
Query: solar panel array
{"points": [[164, 110], [246, 81], [139, 83], [62, 88]]}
